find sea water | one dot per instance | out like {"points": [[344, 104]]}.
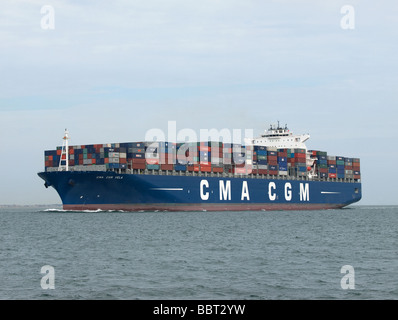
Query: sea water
{"points": [[48, 253]]}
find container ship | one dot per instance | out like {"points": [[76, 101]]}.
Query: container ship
{"points": [[274, 171]]}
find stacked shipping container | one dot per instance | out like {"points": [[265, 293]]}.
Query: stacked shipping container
{"points": [[205, 156]]}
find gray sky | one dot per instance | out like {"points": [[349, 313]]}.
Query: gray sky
{"points": [[111, 70]]}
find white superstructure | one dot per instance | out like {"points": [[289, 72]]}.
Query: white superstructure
{"points": [[280, 138], [283, 138]]}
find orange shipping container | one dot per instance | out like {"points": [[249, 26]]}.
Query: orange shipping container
{"points": [[205, 168]]}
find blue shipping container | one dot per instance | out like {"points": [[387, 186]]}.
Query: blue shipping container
{"points": [[179, 167], [152, 166], [302, 168], [261, 152]]}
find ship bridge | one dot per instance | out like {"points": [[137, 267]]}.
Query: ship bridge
{"points": [[279, 137]]}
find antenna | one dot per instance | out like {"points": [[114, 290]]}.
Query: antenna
{"points": [[64, 153]]}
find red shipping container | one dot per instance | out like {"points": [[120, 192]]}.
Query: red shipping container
{"points": [[59, 151], [166, 158], [80, 157], [166, 167], [262, 171], [47, 163], [93, 161], [71, 162], [332, 175], [152, 161], [272, 158], [122, 160], [204, 148], [71, 150], [240, 170], [50, 158], [218, 169], [273, 172], [331, 162], [356, 176], [300, 155], [137, 160], [139, 166]]}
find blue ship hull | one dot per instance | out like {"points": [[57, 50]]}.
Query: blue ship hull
{"points": [[135, 192]]}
